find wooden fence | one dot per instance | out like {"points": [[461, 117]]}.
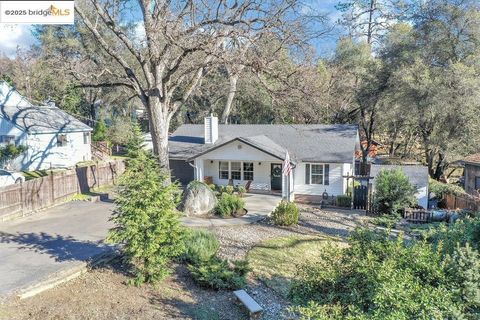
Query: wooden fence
{"points": [[453, 202], [417, 215], [23, 198]]}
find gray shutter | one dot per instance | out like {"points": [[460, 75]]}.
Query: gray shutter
{"points": [[307, 173], [327, 172]]}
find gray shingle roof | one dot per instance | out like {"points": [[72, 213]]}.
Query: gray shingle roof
{"points": [[308, 143], [418, 175], [35, 119]]}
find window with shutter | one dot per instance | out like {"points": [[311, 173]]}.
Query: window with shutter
{"points": [[327, 173]]}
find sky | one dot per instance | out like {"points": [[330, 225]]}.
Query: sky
{"points": [[20, 35]]}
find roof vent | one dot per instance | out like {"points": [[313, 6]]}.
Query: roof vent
{"points": [[211, 129]]}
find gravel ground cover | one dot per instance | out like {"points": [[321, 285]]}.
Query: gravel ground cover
{"points": [[103, 294]]}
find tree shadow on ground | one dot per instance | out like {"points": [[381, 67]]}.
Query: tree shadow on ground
{"points": [[61, 248]]}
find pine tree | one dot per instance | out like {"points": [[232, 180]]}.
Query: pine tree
{"points": [[136, 142], [147, 224], [100, 131]]}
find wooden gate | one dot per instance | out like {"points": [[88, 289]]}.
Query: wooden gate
{"points": [[360, 197]]}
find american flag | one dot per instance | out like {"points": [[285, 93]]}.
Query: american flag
{"points": [[287, 167]]}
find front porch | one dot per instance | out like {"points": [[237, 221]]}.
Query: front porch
{"points": [[264, 175], [243, 163]]}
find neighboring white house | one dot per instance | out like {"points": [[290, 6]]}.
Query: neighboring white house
{"points": [[417, 175], [322, 156], [54, 139]]}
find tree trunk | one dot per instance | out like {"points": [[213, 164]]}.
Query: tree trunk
{"points": [[231, 95], [159, 122]]}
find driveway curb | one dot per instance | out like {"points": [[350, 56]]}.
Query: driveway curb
{"points": [[66, 275]]}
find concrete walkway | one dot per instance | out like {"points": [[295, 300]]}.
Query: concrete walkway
{"points": [[56, 241], [257, 205]]}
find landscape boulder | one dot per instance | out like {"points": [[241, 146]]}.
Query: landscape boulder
{"points": [[198, 199]]}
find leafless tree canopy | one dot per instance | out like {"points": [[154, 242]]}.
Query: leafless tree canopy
{"points": [[162, 55]]}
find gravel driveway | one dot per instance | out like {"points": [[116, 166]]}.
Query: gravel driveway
{"points": [[237, 240]]}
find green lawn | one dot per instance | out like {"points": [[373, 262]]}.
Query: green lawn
{"points": [[29, 175], [93, 192], [274, 261]]}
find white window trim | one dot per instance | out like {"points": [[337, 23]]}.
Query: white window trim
{"points": [[323, 173], [66, 140], [243, 171], [230, 169]]}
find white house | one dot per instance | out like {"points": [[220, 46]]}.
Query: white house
{"points": [[322, 156], [417, 175], [54, 139]]}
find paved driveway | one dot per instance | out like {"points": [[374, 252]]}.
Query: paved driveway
{"points": [[55, 242], [33, 249]]}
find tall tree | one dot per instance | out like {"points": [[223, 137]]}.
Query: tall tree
{"points": [[179, 41]]}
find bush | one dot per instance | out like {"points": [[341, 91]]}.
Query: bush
{"points": [[217, 274], [220, 190], [229, 189], [441, 189], [344, 201], [147, 224], [285, 214], [228, 205], [241, 191], [393, 191], [387, 221], [377, 278], [212, 187], [10, 152], [447, 237], [200, 245]]}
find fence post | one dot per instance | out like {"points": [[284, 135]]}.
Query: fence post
{"points": [[52, 186]]}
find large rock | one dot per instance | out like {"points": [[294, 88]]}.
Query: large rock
{"points": [[198, 199]]}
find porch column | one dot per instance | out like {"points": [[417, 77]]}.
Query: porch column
{"points": [[284, 187], [291, 185], [199, 169]]}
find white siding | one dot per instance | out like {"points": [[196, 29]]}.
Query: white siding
{"points": [[337, 184], [261, 174], [422, 196], [42, 151], [238, 151]]}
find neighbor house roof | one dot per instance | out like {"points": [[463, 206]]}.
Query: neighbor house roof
{"points": [[417, 175], [473, 158], [308, 143], [33, 118]]}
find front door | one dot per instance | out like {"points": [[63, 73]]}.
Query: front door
{"points": [[276, 176]]}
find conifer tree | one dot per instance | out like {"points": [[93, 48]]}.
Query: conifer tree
{"points": [[147, 224]]}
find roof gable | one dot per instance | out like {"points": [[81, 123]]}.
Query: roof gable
{"points": [[32, 118], [260, 143], [473, 158]]}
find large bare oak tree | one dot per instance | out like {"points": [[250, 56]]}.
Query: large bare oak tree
{"points": [[174, 44]]}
